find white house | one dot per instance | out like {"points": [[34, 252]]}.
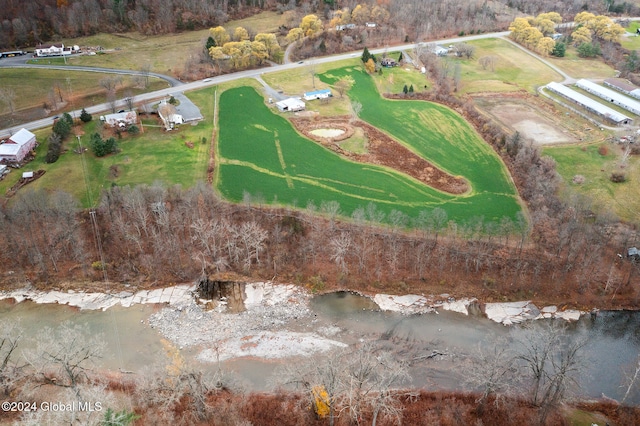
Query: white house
{"points": [[14, 149], [49, 50], [121, 119], [318, 94], [440, 51], [290, 104], [169, 115]]}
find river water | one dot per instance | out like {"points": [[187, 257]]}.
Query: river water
{"points": [[613, 339]]}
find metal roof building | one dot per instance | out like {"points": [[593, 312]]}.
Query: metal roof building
{"points": [[610, 95], [290, 104], [588, 103], [623, 86], [318, 94]]}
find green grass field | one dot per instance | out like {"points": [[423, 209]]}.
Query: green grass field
{"points": [[622, 199], [514, 69], [261, 154]]}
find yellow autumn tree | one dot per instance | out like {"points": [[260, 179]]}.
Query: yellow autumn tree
{"points": [[311, 25], [220, 35], [518, 28], [240, 34], [545, 46], [360, 14], [294, 34], [581, 35], [370, 66]]}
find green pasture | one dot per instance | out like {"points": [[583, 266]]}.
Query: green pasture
{"points": [[622, 199], [261, 154], [154, 155], [514, 69], [578, 67]]}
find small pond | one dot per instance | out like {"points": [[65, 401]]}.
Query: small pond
{"points": [[327, 133]]}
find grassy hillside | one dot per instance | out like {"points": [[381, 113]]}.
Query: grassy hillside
{"points": [[262, 155]]}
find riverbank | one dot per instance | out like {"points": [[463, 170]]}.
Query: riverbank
{"points": [[267, 324]]}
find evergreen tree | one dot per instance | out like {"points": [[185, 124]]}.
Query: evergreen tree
{"points": [[411, 89], [85, 117], [66, 117], [323, 46], [400, 57], [559, 50], [405, 89], [210, 43], [62, 128], [365, 55]]}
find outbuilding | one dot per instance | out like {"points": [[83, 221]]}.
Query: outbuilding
{"points": [[14, 149], [290, 104], [318, 94]]}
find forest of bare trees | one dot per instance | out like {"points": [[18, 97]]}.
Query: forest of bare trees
{"points": [[24, 24]]}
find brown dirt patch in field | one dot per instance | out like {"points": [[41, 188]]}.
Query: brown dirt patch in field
{"points": [[526, 114], [382, 150]]}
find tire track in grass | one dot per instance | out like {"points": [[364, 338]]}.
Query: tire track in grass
{"points": [[281, 159]]}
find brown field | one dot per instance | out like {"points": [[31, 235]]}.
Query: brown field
{"points": [[536, 119]]}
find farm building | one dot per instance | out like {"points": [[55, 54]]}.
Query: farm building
{"points": [[623, 86], [14, 149], [318, 94], [610, 96], [589, 104], [120, 119], [290, 104], [345, 27], [43, 50], [633, 253]]}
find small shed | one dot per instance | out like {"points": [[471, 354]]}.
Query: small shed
{"points": [[388, 63], [27, 175], [318, 94], [441, 51], [633, 253], [290, 104]]}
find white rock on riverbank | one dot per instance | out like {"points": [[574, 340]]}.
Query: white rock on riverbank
{"points": [[517, 312], [93, 301]]}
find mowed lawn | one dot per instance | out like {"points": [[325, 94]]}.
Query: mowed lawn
{"points": [[622, 199], [514, 69], [154, 155], [261, 154]]}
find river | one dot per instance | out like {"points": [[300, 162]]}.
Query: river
{"points": [[613, 339]]}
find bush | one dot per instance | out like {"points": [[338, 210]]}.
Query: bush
{"points": [[579, 179], [618, 177], [603, 150], [133, 129]]}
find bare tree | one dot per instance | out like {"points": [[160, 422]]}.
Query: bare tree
{"points": [[63, 356], [491, 370], [552, 362], [632, 378], [10, 335], [489, 62], [466, 50], [356, 109], [340, 247]]}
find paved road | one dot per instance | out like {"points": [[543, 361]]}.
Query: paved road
{"points": [[21, 62], [247, 74]]}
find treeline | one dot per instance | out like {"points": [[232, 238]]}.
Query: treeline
{"points": [[32, 22], [167, 234]]}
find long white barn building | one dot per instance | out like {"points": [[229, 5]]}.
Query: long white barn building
{"points": [[588, 103], [610, 96]]}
